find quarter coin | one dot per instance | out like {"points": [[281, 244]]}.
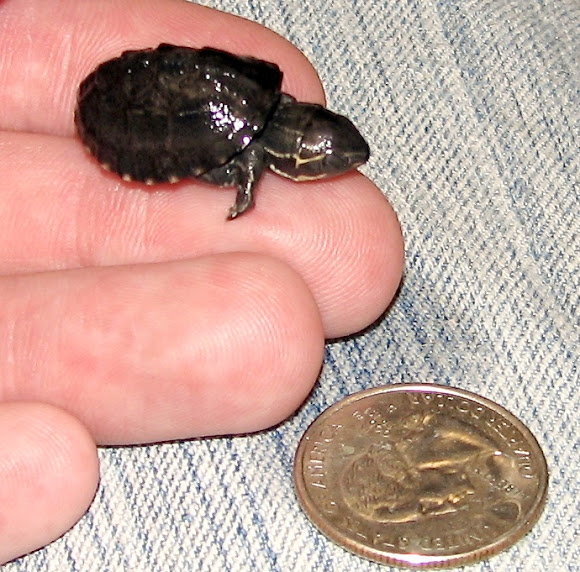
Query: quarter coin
{"points": [[420, 476]]}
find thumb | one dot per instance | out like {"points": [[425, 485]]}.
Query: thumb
{"points": [[48, 475]]}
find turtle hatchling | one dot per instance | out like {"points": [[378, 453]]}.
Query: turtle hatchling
{"points": [[169, 113]]}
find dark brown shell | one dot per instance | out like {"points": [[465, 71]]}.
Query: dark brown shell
{"points": [[163, 114]]}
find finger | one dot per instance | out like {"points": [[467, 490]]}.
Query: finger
{"points": [[63, 211], [48, 475], [43, 58], [226, 344]]}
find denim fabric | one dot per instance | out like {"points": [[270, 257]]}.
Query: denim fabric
{"points": [[472, 109]]}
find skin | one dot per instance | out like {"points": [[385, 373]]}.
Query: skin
{"points": [[132, 316]]}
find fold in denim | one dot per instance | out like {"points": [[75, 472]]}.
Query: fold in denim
{"points": [[472, 111]]}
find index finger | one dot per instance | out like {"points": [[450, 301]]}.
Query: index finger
{"points": [[43, 59]]}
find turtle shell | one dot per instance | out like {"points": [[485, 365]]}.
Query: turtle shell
{"points": [[163, 114]]}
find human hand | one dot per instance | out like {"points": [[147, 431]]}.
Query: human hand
{"points": [[133, 316]]}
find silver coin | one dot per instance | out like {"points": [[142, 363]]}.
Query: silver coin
{"points": [[420, 476]]}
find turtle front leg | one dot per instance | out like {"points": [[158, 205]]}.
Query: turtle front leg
{"points": [[243, 172]]}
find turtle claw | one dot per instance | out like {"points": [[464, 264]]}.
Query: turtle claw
{"points": [[244, 201], [232, 213]]}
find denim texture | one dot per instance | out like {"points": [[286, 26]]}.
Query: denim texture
{"points": [[472, 110]]}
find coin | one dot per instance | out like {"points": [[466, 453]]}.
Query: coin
{"points": [[420, 476]]}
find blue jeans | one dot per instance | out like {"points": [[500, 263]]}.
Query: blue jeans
{"points": [[472, 109]]}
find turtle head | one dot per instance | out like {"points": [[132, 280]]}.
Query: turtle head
{"points": [[306, 141]]}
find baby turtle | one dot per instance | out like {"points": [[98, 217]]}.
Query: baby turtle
{"points": [[160, 115]]}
